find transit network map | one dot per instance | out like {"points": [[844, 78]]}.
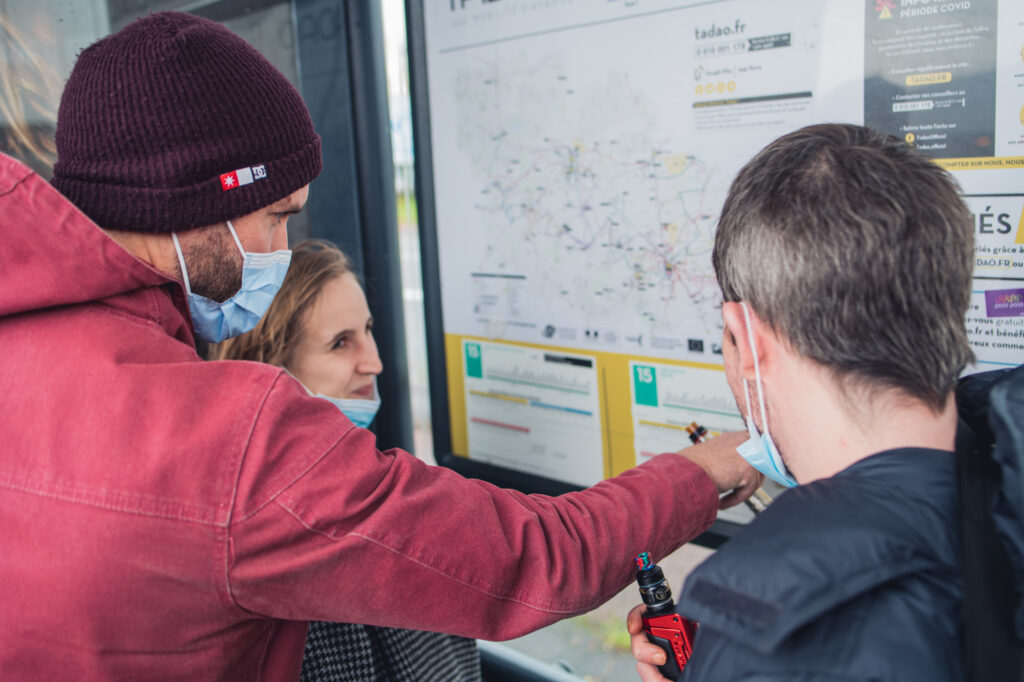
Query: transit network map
{"points": [[605, 220]]}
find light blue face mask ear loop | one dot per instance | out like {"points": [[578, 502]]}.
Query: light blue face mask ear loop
{"points": [[757, 373], [289, 373], [181, 262], [234, 235]]}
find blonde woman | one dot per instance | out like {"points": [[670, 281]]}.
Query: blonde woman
{"points": [[320, 329]]}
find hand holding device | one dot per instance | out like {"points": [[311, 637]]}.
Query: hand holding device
{"points": [[663, 626]]}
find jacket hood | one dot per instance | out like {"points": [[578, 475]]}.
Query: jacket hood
{"points": [[1004, 416], [990, 403], [52, 254]]}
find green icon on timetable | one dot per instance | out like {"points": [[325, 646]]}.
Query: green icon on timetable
{"points": [[474, 361], [645, 385]]}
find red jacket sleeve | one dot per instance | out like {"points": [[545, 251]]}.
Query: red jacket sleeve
{"points": [[353, 534]]}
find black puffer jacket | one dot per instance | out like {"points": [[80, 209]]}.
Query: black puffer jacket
{"points": [[850, 578], [857, 577]]}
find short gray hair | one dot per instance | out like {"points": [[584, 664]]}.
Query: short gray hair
{"points": [[857, 249]]}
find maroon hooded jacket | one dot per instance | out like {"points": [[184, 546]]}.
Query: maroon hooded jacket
{"points": [[164, 517]]}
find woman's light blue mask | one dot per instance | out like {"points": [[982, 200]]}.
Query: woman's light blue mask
{"points": [[359, 412], [759, 450], [262, 275]]}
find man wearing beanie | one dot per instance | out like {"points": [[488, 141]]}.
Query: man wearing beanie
{"points": [[169, 518]]}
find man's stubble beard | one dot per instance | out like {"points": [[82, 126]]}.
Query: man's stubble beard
{"points": [[214, 264]]}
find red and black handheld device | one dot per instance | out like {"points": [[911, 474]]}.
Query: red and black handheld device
{"points": [[664, 627]]}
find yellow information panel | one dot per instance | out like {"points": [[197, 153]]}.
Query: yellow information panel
{"points": [[574, 416]]}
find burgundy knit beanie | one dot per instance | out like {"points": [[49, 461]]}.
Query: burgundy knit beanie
{"points": [[175, 122]]}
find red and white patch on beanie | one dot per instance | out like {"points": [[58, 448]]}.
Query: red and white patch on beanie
{"points": [[242, 176]]}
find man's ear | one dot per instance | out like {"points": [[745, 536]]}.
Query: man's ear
{"points": [[741, 328]]}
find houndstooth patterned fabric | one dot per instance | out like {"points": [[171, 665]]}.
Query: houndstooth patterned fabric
{"points": [[344, 652]]}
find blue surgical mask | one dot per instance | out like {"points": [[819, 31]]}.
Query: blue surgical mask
{"points": [[359, 412], [262, 275], [759, 450]]}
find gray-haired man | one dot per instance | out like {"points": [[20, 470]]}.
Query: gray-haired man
{"points": [[844, 258]]}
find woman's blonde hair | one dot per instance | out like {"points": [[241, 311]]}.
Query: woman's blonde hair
{"points": [[314, 263], [29, 96]]}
